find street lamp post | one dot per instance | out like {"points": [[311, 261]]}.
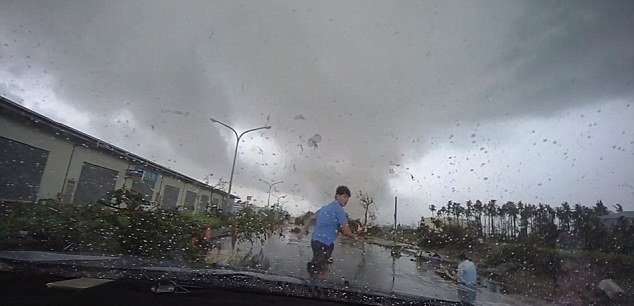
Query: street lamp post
{"points": [[235, 153], [270, 187]]}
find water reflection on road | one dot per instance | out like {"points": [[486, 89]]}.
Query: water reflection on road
{"points": [[363, 265]]}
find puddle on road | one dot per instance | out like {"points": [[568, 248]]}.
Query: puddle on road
{"points": [[363, 265]]}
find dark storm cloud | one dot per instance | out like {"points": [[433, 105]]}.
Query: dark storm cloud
{"points": [[373, 79], [566, 55]]}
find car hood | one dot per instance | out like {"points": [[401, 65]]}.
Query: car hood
{"points": [[198, 275]]}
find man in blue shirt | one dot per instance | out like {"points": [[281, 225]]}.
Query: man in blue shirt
{"points": [[328, 220]]}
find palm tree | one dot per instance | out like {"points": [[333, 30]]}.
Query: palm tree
{"points": [[432, 208], [491, 210], [528, 218], [458, 211], [479, 208], [513, 211], [578, 218], [442, 212], [551, 213], [544, 228], [564, 214], [486, 228], [469, 212], [618, 207], [523, 212], [461, 212], [450, 209], [502, 211], [600, 209]]}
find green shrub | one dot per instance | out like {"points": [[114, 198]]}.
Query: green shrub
{"points": [[449, 235], [251, 224], [527, 257], [96, 228]]}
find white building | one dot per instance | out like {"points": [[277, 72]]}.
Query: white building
{"points": [[611, 220], [44, 159]]}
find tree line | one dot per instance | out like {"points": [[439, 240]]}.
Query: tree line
{"points": [[576, 226]]}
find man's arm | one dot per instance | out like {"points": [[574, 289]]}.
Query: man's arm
{"points": [[345, 228], [460, 272]]}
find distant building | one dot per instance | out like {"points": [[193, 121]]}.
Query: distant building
{"points": [[44, 159], [611, 220], [429, 222], [408, 226], [239, 206]]}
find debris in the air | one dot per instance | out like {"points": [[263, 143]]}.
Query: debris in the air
{"points": [[300, 117], [313, 141], [177, 112]]}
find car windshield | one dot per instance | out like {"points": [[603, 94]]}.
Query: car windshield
{"points": [[462, 151]]}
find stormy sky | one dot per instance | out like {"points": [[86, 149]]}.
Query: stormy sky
{"points": [[429, 101]]}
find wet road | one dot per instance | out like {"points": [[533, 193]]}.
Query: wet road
{"points": [[364, 265]]}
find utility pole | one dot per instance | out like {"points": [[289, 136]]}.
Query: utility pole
{"points": [[395, 209], [395, 253]]}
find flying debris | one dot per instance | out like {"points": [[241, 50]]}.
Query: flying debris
{"points": [[313, 141], [176, 112], [300, 117]]}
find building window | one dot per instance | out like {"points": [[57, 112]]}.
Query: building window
{"points": [[170, 197], [204, 203], [143, 181], [190, 200], [21, 170], [94, 183]]}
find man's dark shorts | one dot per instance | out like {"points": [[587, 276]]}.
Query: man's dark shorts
{"points": [[321, 254]]}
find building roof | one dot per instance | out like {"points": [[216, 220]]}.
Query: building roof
{"points": [[40, 121], [625, 214]]}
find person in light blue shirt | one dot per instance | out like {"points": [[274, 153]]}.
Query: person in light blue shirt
{"points": [[467, 279], [328, 220]]}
